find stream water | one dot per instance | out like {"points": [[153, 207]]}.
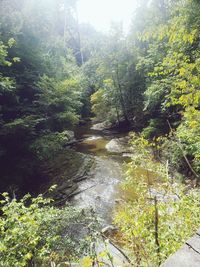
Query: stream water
{"points": [[100, 191]]}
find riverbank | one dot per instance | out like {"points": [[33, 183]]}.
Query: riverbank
{"points": [[91, 174], [66, 171], [88, 171]]}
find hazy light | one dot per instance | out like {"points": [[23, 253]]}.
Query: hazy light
{"points": [[100, 13]]}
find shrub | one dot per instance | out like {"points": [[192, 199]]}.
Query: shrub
{"points": [[32, 231]]}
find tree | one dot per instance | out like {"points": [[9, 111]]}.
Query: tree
{"points": [[41, 87]]}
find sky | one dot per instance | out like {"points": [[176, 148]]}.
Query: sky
{"points": [[100, 13]]}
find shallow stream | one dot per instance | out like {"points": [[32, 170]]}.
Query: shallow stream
{"points": [[100, 191]]}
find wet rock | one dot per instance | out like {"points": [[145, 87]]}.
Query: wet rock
{"points": [[94, 138], [101, 126], [127, 155], [64, 186], [68, 264], [67, 170], [109, 230], [114, 146], [119, 145], [84, 169], [71, 190], [81, 178]]}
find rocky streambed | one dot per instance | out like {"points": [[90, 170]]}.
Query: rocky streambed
{"points": [[66, 172], [89, 170], [88, 173], [101, 190]]}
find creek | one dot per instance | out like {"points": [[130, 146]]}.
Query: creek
{"points": [[101, 190]]}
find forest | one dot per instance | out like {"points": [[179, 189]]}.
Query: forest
{"points": [[56, 76]]}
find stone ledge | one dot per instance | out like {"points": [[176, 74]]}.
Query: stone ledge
{"points": [[188, 255]]}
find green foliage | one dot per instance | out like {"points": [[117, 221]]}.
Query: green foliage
{"points": [[98, 99], [103, 103], [122, 84], [155, 128], [46, 146], [148, 181], [189, 135], [41, 84], [59, 101], [183, 141], [33, 231], [149, 78], [172, 152], [171, 65], [48, 76]]}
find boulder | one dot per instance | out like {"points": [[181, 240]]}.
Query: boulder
{"points": [[101, 126], [119, 145]]}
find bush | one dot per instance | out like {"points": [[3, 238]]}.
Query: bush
{"points": [[156, 216], [49, 144], [155, 128], [32, 231]]}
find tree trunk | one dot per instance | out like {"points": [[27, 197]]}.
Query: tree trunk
{"points": [[122, 99]]}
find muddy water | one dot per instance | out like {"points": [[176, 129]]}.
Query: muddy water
{"points": [[100, 191]]}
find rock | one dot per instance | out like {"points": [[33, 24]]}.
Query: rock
{"points": [[101, 126], [114, 146], [127, 155], [70, 135], [109, 230], [84, 169], [119, 145], [69, 168], [187, 256], [93, 138], [80, 178], [68, 264], [69, 191], [118, 200], [161, 195], [67, 184]]}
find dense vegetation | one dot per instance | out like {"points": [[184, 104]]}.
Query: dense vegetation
{"points": [[155, 210], [41, 86], [53, 73], [150, 78], [33, 233]]}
